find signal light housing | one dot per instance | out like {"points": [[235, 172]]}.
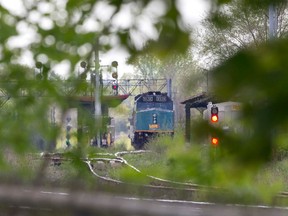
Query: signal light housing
{"points": [[115, 75], [214, 114], [115, 88]]}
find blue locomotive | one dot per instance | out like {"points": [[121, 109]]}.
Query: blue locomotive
{"points": [[153, 114]]}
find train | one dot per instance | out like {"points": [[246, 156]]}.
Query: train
{"points": [[152, 115]]}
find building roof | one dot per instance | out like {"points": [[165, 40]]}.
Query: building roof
{"points": [[109, 100], [198, 101]]}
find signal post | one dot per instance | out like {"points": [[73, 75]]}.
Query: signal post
{"points": [[214, 118]]}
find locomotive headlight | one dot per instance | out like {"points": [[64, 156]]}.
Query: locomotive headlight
{"points": [[154, 118]]}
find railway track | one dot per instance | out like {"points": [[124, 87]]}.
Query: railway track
{"points": [[117, 158], [157, 188]]}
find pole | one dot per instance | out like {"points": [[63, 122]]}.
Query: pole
{"points": [[98, 111], [187, 123], [169, 87], [207, 80], [273, 22]]}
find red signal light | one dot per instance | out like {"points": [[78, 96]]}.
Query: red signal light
{"points": [[114, 86], [214, 141], [214, 118]]}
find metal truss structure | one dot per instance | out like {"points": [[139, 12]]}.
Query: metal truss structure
{"points": [[134, 86], [130, 87], [4, 97]]}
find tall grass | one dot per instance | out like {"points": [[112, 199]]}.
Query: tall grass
{"points": [[176, 160]]}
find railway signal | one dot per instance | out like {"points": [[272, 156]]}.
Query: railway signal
{"points": [[83, 64], [115, 75], [214, 114], [115, 65], [214, 141], [115, 88]]}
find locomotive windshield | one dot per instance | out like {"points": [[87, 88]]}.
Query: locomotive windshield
{"points": [[150, 100], [144, 106]]}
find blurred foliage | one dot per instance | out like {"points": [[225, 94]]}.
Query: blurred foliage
{"points": [[211, 166], [66, 31], [236, 26], [257, 81]]}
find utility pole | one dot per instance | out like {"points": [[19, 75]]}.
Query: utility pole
{"points": [[98, 111], [273, 22], [169, 87]]}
